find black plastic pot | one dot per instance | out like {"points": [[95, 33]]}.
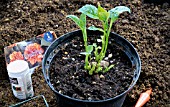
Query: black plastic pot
{"points": [[65, 101]]}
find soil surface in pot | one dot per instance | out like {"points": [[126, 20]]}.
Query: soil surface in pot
{"points": [[147, 28], [68, 76]]}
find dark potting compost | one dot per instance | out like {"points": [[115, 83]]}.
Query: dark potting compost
{"points": [[68, 77]]}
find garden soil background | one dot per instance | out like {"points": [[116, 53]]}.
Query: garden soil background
{"points": [[147, 28]]}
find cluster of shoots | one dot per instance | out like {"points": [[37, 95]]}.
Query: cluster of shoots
{"points": [[107, 18]]}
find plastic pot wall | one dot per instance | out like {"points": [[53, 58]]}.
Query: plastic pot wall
{"points": [[65, 101]]}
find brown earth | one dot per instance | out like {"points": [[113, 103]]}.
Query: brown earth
{"points": [[147, 28]]}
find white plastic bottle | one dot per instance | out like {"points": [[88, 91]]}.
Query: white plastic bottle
{"points": [[20, 79]]}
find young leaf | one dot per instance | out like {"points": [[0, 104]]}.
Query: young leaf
{"points": [[89, 48], [75, 19], [120, 9], [92, 69], [89, 10], [108, 68], [83, 20], [95, 28], [95, 45], [114, 18], [114, 13], [98, 69], [102, 13]]}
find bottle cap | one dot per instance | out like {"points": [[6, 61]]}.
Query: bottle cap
{"points": [[17, 66]]}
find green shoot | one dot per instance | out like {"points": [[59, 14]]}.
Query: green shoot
{"points": [[81, 22], [107, 18]]}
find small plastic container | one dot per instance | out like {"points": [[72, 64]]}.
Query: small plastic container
{"points": [[20, 79]]}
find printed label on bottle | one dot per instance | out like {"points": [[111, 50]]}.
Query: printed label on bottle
{"points": [[17, 88], [28, 86], [22, 86], [21, 95], [13, 80], [19, 91]]}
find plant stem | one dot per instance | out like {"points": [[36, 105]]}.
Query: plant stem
{"points": [[85, 44], [107, 36], [85, 38], [103, 42]]}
